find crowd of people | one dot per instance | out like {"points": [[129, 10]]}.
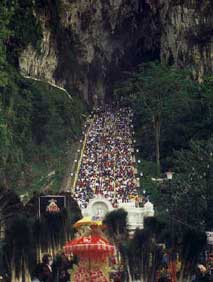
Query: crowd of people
{"points": [[108, 165], [50, 270]]}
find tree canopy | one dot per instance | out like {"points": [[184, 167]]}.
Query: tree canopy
{"points": [[173, 125]]}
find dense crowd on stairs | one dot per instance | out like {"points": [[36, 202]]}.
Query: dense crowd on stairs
{"points": [[108, 163]]}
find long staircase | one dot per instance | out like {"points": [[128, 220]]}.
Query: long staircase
{"points": [[106, 170]]}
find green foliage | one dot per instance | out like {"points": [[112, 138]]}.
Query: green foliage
{"points": [[116, 222], [170, 109], [21, 244], [187, 202], [155, 88], [25, 26], [142, 254], [156, 93], [206, 89], [25, 235], [5, 15], [18, 27], [192, 187], [37, 124], [183, 109], [146, 183], [193, 243]]}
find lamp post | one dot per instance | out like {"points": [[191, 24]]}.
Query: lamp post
{"points": [[169, 176]]}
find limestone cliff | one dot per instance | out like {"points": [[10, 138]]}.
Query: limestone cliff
{"points": [[187, 34], [86, 43]]}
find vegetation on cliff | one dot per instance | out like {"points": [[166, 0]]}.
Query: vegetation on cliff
{"points": [[38, 123]]}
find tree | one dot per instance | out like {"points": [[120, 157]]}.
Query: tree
{"points": [[192, 244], [156, 91], [5, 16], [10, 205], [141, 254], [19, 248], [192, 191], [189, 203], [24, 237], [116, 222]]}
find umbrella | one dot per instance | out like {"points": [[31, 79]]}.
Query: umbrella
{"points": [[91, 249], [93, 246], [88, 221]]}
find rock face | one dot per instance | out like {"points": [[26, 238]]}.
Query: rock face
{"points": [[40, 65], [86, 44], [187, 34]]}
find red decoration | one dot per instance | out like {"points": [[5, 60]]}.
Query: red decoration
{"points": [[94, 247], [84, 275], [92, 250]]}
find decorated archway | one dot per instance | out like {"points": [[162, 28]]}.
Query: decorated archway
{"points": [[98, 206]]}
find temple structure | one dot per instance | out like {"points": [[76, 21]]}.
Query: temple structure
{"points": [[100, 206]]}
